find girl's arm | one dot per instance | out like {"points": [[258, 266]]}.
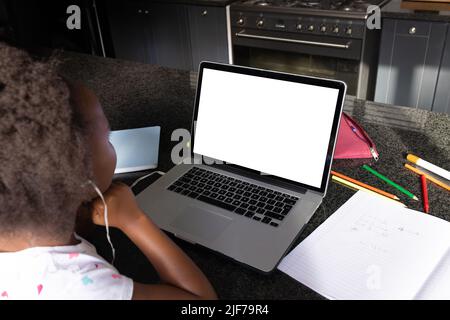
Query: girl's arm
{"points": [[181, 278]]}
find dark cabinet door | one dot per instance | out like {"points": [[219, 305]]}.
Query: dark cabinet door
{"points": [[170, 45], [208, 34], [168, 34], [410, 54], [130, 30], [442, 96], [147, 32]]}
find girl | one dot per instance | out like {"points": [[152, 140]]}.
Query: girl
{"points": [[54, 154]]}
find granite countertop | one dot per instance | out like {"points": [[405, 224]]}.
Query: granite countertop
{"points": [[393, 10], [136, 95]]}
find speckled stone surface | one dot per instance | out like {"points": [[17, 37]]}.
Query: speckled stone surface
{"points": [[394, 10], [135, 95]]}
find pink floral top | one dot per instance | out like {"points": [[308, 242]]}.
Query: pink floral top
{"points": [[59, 273]]}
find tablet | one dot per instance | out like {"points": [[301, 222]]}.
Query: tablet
{"points": [[136, 149]]}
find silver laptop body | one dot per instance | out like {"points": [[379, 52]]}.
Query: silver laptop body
{"points": [[301, 174]]}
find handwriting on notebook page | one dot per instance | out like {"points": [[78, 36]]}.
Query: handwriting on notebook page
{"points": [[380, 226]]}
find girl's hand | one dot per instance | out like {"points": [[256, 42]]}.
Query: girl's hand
{"points": [[122, 207]]}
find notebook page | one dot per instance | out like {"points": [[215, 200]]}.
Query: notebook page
{"points": [[437, 287], [370, 249]]}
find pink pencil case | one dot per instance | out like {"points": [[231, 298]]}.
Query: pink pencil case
{"points": [[353, 142]]}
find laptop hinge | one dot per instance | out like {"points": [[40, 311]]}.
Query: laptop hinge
{"points": [[262, 178]]}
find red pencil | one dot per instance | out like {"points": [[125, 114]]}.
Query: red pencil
{"points": [[426, 207]]}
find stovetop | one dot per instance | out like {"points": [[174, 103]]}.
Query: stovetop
{"points": [[338, 6]]}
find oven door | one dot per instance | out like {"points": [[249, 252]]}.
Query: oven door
{"points": [[314, 55]]}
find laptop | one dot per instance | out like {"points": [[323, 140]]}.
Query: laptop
{"points": [[136, 149], [262, 146]]}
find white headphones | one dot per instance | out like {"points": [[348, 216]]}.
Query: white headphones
{"points": [[105, 215]]}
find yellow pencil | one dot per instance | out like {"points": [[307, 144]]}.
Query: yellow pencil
{"points": [[354, 186], [383, 193], [430, 178]]}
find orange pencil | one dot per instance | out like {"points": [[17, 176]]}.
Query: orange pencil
{"points": [[430, 178], [384, 193]]}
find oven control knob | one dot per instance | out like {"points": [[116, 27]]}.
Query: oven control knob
{"points": [[335, 29], [348, 30], [323, 28], [299, 26], [240, 21], [260, 23], [311, 27]]}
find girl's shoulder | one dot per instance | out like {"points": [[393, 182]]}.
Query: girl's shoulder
{"points": [[67, 272]]}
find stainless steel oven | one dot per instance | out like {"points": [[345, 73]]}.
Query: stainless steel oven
{"points": [[286, 36]]}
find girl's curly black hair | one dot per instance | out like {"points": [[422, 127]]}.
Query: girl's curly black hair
{"points": [[44, 161]]}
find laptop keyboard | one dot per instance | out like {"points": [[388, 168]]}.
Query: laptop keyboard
{"points": [[243, 198]]}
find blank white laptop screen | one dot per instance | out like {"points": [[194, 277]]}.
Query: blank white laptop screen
{"points": [[274, 126]]}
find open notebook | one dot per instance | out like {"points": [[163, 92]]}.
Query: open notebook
{"points": [[373, 249]]}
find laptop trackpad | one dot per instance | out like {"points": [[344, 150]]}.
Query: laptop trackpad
{"points": [[201, 223]]}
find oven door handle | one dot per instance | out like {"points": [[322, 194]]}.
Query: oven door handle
{"points": [[242, 34]]}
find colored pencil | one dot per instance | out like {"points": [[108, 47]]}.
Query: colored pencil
{"points": [[430, 178], [353, 186], [384, 193], [429, 166], [426, 206], [390, 182]]}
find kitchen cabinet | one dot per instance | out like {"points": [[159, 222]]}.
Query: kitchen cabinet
{"points": [[442, 97], [42, 24], [150, 32], [168, 34], [4, 23], [208, 34], [170, 45], [129, 29], [409, 61]]}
